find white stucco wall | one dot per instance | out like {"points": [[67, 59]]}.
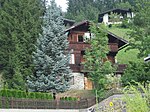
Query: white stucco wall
{"points": [[78, 81], [105, 18], [129, 15]]}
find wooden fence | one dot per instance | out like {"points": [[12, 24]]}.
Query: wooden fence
{"points": [[45, 104]]}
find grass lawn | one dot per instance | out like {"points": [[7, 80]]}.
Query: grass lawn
{"points": [[123, 56], [121, 32]]}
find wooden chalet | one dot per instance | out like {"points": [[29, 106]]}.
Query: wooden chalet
{"points": [[77, 46]]}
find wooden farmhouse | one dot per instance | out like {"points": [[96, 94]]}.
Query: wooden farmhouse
{"points": [[104, 17], [77, 46]]}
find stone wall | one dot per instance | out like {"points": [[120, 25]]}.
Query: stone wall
{"points": [[77, 81]]}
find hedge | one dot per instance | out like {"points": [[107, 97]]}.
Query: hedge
{"points": [[22, 94], [69, 98]]}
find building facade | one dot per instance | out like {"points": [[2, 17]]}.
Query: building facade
{"points": [[77, 47]]}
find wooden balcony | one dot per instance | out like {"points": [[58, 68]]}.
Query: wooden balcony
{"points": [[79, 46], [120, 68], [74, 67], [113, 47]]}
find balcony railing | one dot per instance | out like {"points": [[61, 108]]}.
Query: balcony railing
{"points": [[120, 68], [79, 45], [74, 67], [82, 46]]}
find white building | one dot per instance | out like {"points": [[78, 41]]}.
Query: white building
{"points": [[123, 13]]}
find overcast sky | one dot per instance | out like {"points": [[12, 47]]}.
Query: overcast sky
{"points": [[62, 4]]}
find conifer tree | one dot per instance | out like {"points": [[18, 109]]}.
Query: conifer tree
{"points": [[19, 26], [52, 71]]}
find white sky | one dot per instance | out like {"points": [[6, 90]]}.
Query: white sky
{"points": [[62, 4]]}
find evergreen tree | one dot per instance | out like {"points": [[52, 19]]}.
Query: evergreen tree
{"points": [[50, 59], [19, 26], [80, 10]]}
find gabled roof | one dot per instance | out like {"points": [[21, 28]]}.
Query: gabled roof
{"points": [[115, 10], [122, 42], [68, 21], [77, 25]]}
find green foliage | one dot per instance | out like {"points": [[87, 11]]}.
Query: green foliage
{"points": [[95, 58], [138, 71], [140, 32], [137, 98], [52, 71], [69, 98], [22, 94], [114, 17], [123, 5], [80, 10], [20, 26], [89, 9]]}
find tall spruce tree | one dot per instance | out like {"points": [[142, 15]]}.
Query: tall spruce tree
{"points": [[50, 59], [19, 26]]}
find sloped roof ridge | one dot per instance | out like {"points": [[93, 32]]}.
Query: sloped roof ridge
{"points": [[110, 10]]}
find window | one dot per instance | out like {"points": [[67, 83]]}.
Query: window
{"points": [[72, 61], [80, 38]]}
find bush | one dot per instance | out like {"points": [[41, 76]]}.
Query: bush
{"points": [[22, 94], [69, 98], [31, 95], [140, 99]]}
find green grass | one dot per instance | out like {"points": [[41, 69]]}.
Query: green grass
{"points": [[121, 32], [123, 56]]}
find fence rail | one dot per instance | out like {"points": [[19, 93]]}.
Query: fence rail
{"points": [[45, 104]]}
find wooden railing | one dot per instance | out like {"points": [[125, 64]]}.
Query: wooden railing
{"points": [[120, 68], [79, 45], [82, 46], [74, 67], [45, 104]]}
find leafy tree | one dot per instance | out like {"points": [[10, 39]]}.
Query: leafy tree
{"points": [[139, 39], [114, 17], [138, 72], [96, 58], [20, 25], [140, 33], [52, 71]]}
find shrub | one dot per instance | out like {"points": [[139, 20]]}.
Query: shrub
{"points": [[23, 94], [31, 95], [139, 101]]}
